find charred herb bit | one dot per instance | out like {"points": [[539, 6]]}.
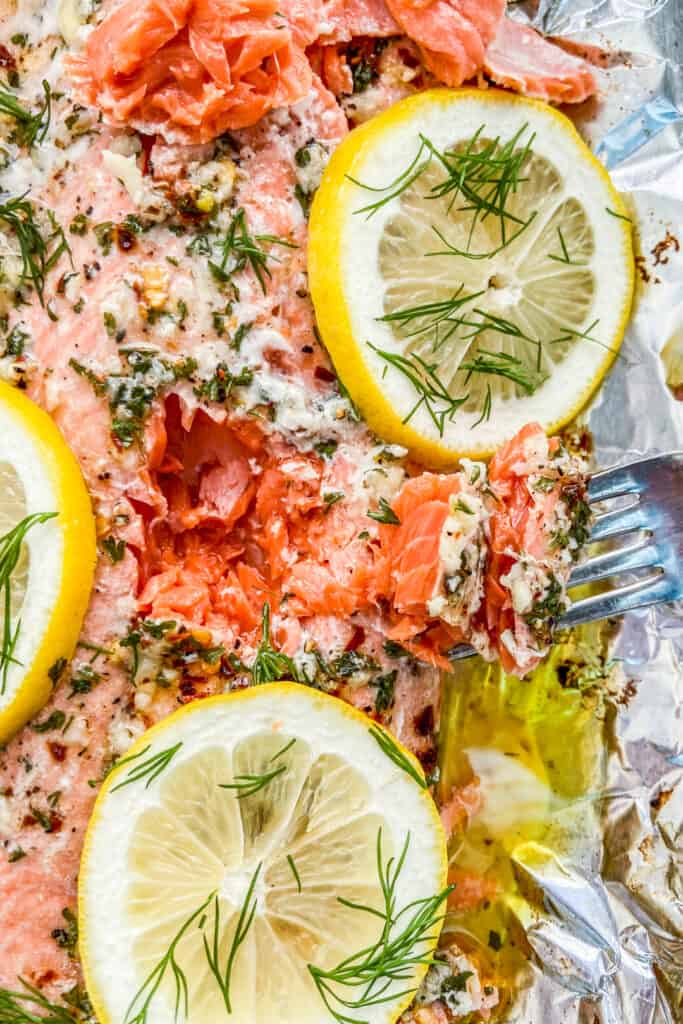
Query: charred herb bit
{"points": [[16, 854], [77, 998], [30, 127], [270, 665], [104, 233], [495, 941], [38, 254], [326, 449], [54, 721], [581, 519], [84, 680], [544, 613], [331, 498], [363, 61], [218, 388], [456, 982], [395, 650], [115, 548], [350, 663], [15, 341], [149, 769], [385, 685], [304, 198], [67, 937], [384, 514], [79, 224], [11, 545]]}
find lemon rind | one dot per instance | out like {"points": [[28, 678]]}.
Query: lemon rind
{"points": [[249, 693], [76, 523]]}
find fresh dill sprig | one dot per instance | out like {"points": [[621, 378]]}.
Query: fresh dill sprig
{"points": [[16, 1007], [223, 976], [395, 187], [619, 216], [270, 665], [390, 747], [31, 127], [38, 254], [406, 941], [431, 391], [10, 552], [239, 249], [283, 751], [453, 250], [433, 316], [501, 364], [384, 513], [138, 1007], [297, 876], [571, 334], [565, 257], [247, 785], [149, 769], [485, 174]]}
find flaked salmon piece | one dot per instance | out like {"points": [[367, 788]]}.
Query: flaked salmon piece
{"points": [[344, 19], [332, 67], [535, 526], [521, 59], [192, 69], [463, 803], [452, 34]]}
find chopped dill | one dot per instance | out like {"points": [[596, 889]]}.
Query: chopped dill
{"points": [[239, 249], [249, 785], [297, 877], [38, 254], [384, 514], [270, 665], [31, 128]]}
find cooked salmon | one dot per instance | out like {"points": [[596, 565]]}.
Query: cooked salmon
{"points": [[521, 59], [225, 498]]}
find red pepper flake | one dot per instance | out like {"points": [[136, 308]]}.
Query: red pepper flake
{"points": [[322, 373], [58, 750], [7, 59]]}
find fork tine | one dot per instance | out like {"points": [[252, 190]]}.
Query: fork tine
{"points": [[651, 590], [642, 555], [611, 483], [620, 520]]}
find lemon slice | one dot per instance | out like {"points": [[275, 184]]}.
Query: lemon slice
{"points": [[43, 498], [241, 850], [471, 268]]}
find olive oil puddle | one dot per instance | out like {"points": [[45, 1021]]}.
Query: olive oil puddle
{"points": [[538, 750]]}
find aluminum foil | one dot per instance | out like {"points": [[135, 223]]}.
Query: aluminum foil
{"points": [[609, 948]]}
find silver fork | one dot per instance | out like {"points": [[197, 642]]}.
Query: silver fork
{"points": [[655, 516]]}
